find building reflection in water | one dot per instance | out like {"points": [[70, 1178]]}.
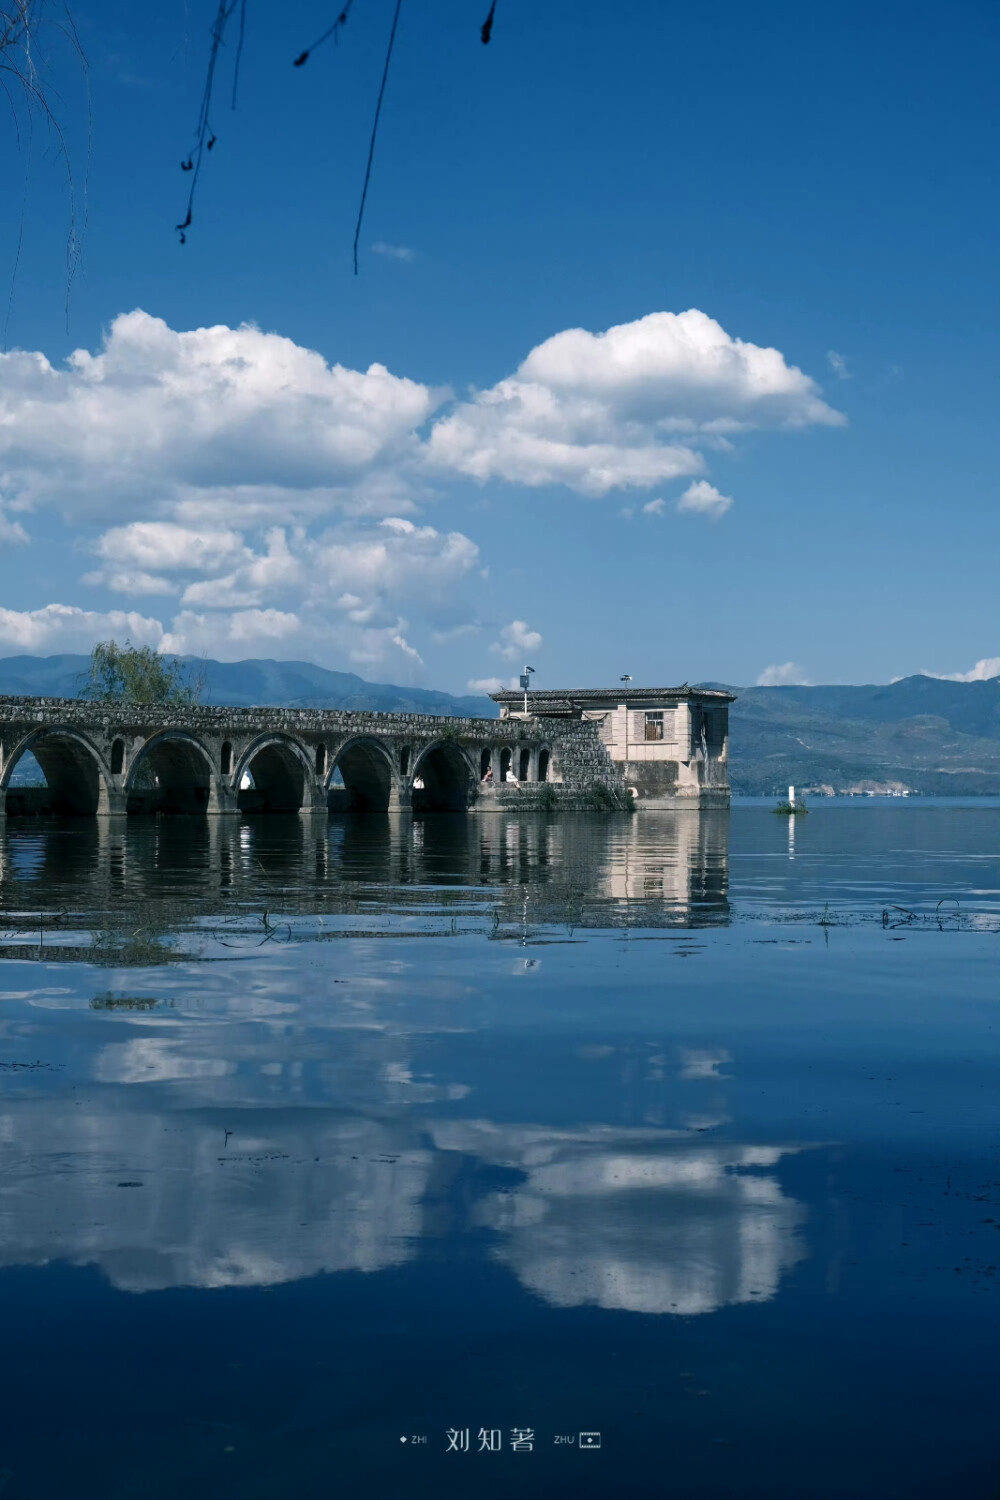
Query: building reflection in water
{"points": [[658, 869], [208, 1136]]}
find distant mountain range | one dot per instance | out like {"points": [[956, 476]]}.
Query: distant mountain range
{"points": [[921, 733], [244, 684]]}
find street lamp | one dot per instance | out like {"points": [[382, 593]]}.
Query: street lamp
{"points": [[525, 683]]}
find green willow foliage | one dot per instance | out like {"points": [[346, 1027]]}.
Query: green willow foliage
{"points": [[135, 674]]}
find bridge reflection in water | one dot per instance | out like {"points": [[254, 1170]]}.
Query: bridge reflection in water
{"points": [[293, 1105], [590, 870]]}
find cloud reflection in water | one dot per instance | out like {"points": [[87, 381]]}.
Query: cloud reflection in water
{"points": [[635, 1220], [348, 1092]]}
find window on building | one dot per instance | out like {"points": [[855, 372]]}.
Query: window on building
{"points": [[654, 726]]}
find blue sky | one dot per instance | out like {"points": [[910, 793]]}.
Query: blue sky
{"points": [[689, 188]]}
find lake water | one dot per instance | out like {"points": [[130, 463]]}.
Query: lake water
{"points": [[491, 1134]]}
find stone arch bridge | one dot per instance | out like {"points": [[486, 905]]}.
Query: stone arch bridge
{"points": [[117, 758]]}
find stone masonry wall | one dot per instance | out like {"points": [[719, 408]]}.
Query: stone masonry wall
{"points": [[580, 772], [212, 719]]}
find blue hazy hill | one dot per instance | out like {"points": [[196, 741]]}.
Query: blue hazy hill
{"points": [[245, 684], [933, 736], [968, 707]]}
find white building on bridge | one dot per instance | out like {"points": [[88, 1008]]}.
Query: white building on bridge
{"points": [[672, 744]]}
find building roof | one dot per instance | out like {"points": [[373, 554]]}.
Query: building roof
{"points": [[570, 700]]}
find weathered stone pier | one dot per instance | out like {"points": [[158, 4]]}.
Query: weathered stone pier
{"points": [[111, 759]]}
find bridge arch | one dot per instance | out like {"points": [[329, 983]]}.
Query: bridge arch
{"points": [[72, 765], [171, 773], [448, 777], [281, 769], [366, 768]]}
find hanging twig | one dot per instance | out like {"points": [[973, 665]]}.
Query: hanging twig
{"points": [[371, 144], [331, 31], [239, 50], [204, 135], [20, 23], [487, 28], [20, 241]]}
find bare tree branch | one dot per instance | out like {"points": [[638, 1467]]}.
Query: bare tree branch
{"points": [[331, 31], [371, 143], [21, 22], [487, 27], [205, 137], [26, 96]]}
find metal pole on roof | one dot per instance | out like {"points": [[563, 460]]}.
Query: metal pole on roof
{"points": [[626, 677], [525, 679]]}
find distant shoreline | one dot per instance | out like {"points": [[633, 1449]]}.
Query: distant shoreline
{"points": [[970, 800]]}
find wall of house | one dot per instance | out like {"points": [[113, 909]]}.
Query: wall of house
{"points": [[681, 765]]}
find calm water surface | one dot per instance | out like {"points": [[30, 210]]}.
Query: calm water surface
{"points": [[676, 1129]]}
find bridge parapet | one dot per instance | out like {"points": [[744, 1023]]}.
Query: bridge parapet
{"points": [[113, 758]]}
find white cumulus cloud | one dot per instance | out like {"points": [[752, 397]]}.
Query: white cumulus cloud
{"points": [[396, 558], [258, 576], [157, 417], [271, 495], [705, 500], [402, 644], [130, 581], [517, 639], [230, 635], [393, 252], [349, 591], [454, 633], [985, 668], [64, 627], [604, 411], [490, 684], [163, 546], [787, 674], [11, 531]]}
